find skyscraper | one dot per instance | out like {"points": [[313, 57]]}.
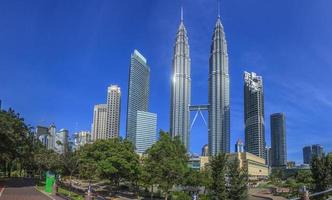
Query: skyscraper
{"points": [[51, 136], [268, 156], [113, 111], [82, 138], [239, 147], [254, 114], [307, 151], [219, 108], [138, 92], [317, 151], [42, 134], [181, 87], [99, 122], [146, 129], [61, 143], [278, 140], [205, 150]]}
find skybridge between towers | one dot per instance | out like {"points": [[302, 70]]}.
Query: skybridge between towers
{"points": [[198, 109]]}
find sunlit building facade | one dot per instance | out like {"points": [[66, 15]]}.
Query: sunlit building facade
{"points": [[219, 103]]}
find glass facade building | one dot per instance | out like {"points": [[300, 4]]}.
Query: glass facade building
{"points": [[317, 150], [138, 93], [307, 155], [278, 140], [146, 131], [254, 114]]}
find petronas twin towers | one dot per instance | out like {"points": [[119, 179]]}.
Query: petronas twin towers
{"points": [[218, 107]]}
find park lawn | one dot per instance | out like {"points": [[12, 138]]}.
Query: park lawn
{"points": [[61, 191], [72, 195]]}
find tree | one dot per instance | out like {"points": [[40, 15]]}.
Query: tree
{"points": [[15, 141], [167, 160], [113, 159], [206, 178], [45, 159], [218, 170], [329, 167], [147, 179], [238, 179], [320, 175], [193, 180], [304, 178]]}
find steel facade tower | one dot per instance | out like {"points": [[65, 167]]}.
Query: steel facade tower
{"points": [[219, 108], [138, 92], [181, 87], [278, 140], [254, 114]]}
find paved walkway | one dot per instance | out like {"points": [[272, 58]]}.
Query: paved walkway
{"points": [[21, 189]]}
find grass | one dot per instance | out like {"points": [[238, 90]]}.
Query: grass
{"points": [[61, 191], [72, 195]]}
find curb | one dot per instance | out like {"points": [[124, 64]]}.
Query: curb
{"points": [[1, 191], [46, 194]]}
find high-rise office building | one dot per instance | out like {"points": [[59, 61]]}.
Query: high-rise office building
{"points": [[42, 134], [82, 138], [99, 122], [113, 111], [219, 108], [146, 131], [239, 147], [254, 114], [205, 150], [268, 156], [51, 136], [307, 153], [181, 87], [278, 140], [138, 93], [61, 141], [317, 151]]}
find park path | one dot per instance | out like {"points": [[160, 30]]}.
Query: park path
{"points": [[21, 189]]}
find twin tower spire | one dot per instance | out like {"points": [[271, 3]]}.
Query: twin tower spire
{"points": [[218, 94]]}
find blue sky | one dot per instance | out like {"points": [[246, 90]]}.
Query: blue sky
{"points": [[57, 58]]}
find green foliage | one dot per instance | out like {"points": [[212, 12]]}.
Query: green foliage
{"points": [[238, 179], [113, 159], [276, 177], [180, 196], [320, 173], [304, 178], [167, 162], [46, 160], [17, 143], [204, 197], [193, 179], [218, 169]]}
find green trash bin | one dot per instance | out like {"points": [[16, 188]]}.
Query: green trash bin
{"points": [[50, 180]]}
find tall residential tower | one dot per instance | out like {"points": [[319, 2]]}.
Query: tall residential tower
{"points": [[254, 114], [181, 87], [219, 108], [113, 111], [99, 122]]}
